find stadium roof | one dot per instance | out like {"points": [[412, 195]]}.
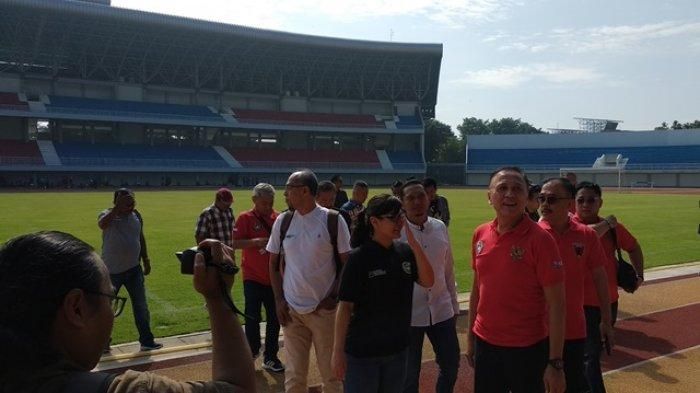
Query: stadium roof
{"points": [[72, 39]]}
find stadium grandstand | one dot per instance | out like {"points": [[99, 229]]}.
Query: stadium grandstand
{"points": [[92, 94], [668, 158]]}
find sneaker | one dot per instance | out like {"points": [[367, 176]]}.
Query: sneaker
{"points": [[274, 365], [151, 347]]}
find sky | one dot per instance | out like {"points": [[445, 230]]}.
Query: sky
{"points": [[543, 61]]}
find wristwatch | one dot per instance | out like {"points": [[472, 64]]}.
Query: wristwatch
{"points": [[557, 364]]}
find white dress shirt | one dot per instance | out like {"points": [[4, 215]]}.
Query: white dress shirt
{"points": [[438, 303]]}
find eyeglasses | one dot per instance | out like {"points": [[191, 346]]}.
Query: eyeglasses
{"points": [[582, 200], [116, 302], [395, 218], [550, 199]]}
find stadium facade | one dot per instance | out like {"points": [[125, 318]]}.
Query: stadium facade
{"points": [[668, 158], [94, 94]]}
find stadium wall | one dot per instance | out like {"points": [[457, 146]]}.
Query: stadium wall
{"points": [[630, 179], [601, 139]]}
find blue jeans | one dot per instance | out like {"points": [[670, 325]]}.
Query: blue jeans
{"points": [[133, 280], [256, 295], [380, 374], [443, 337], [591, 357]]}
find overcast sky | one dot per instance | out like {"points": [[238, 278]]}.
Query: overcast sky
{"points": [[544, 61]]}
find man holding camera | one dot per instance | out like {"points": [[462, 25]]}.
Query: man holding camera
{"points": [[123, 246], [306, 297], [251, 234]]}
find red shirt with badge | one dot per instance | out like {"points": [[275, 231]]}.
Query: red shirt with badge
{"points": [[626, 242], [581, 252], [250, 225], [513, 269]]}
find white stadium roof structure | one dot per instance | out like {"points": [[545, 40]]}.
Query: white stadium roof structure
{"points": [[73, 39]]}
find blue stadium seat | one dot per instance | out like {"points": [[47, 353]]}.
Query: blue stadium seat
{"points": [[651, 157], [406, 159], [86, 154], [409, 122], [90, 106]]}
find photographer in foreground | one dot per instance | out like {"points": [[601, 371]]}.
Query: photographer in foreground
{"points": [[57, 309]]}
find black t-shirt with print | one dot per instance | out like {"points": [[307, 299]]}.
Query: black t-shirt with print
{"points": [[379, 282]]}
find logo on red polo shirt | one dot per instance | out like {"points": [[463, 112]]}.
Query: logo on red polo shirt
{"points": [[557, 264], [479, 247], [578, 249], [516, 253]]}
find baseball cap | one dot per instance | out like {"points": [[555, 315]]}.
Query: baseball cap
{"points": [[224, 194]]}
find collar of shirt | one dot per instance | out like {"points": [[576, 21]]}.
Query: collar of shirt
{"points": [[522, 228], [426, 226], [545, 225]]}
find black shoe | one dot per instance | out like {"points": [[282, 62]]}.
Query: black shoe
{"points": [[151, 347], [274, 365]]}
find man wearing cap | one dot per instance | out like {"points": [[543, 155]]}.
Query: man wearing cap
{"points": [[123, 248], [216, 221]]}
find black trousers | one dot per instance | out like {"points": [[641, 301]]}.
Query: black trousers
{"points": [[573, 366], [257, 295], [594, 348], [509, 369]]}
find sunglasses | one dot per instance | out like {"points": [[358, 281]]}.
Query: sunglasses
{"points": [[581, 201], [550, 199], [395, 218]]}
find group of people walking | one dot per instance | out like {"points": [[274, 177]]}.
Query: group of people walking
{"points": [[366, 284]]}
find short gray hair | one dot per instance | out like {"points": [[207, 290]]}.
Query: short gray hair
{"points": [[264, 189]]}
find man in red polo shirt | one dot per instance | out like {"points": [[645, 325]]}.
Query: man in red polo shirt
{"points": [[251, 234], [517, 299], [583, 256], [588, 203]]}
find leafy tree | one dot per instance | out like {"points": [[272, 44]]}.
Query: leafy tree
{"points": [[676, 125], [504, 126], [438, 135], [452, 151]]}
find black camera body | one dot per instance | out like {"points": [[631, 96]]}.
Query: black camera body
{"points": [[186, 259]]}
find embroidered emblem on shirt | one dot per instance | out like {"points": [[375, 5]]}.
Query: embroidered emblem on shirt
{"points": [[479, 247], [578, 249], [257, 227], [557, 264], [516, 253], [406, 266], [376, 273]]}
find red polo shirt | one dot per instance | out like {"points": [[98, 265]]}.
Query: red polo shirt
{"points": [[581, 252], [255, 259], [513, 268], [626, 242]]}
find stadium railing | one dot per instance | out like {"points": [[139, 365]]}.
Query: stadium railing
{"points": [[5, 160], [131, 114], [144, 162]]}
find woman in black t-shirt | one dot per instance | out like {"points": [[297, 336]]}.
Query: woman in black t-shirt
{"points": [[376, 288]]}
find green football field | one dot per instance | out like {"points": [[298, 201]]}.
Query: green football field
{"points": [[666, 226]]}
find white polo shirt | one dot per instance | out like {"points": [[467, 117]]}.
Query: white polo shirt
{"points": [[438, 303], [309, 269]]}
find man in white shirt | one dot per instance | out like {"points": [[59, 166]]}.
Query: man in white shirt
{"points": [[306, 298], [434, 309]]}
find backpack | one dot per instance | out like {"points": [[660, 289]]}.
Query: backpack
{"points": [[331, 223]]}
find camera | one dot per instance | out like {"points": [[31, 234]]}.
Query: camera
{"points": [[186, 259]]}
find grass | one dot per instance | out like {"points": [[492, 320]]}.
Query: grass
{"points": [[665, 225]]}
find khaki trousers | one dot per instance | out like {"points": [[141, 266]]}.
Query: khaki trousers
{"points": [[303, 330]]}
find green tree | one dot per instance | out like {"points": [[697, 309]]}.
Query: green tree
{"points": [[437, 134], [693, 125], [452, 151], [504, 126], [663, 126]]}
